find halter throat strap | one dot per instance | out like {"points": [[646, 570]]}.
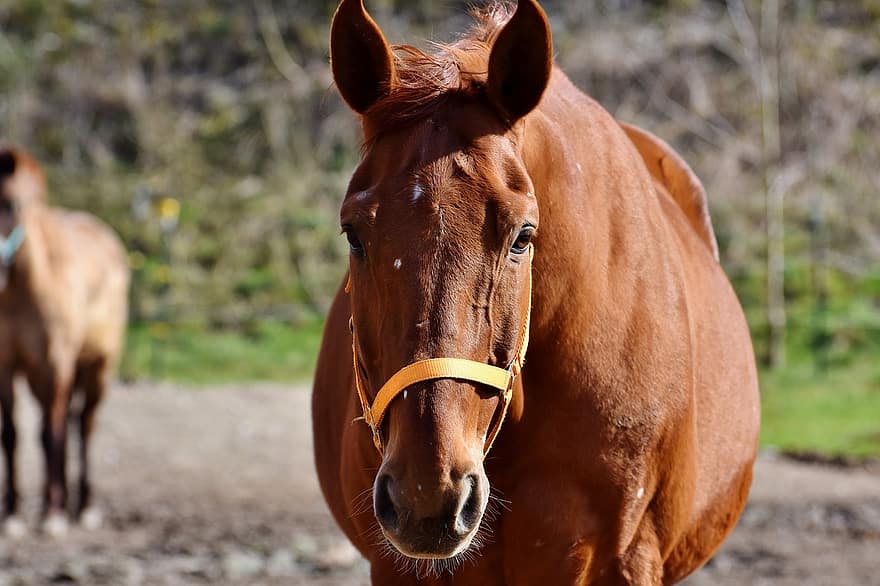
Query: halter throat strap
{"points": [[10, 245], [501, 379]]}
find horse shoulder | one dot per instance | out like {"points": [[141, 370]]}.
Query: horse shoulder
{"points": [[81, 246], [673, 173]]}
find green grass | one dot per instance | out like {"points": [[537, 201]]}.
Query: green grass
{"points": [[831, 412], [272, 351]]}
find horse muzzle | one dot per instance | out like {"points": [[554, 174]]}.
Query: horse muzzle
{"points": [[425, 521]]}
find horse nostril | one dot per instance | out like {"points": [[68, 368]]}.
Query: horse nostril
{"points": [[470, 505], [383, 504]]}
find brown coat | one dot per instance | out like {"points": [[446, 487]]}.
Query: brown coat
{"points": [[627, 453]]}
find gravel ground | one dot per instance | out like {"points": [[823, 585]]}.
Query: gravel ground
{"points": [[218, 487]]}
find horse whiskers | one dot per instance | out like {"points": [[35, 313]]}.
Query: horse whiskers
{"points": [[496, 506], [376, 538], [481, 538], [497, 497], [362, 503], [422, 569]]}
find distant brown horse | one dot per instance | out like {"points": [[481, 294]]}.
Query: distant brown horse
{"points": [[491, 192], [63, 309]]}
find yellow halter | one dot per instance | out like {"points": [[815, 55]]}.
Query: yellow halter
{"points": [[436, 368]]}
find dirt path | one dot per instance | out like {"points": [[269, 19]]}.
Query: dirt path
{"points": [[217, 487]]}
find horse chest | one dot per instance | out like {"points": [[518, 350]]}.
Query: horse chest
{"points": [[26, 333]]}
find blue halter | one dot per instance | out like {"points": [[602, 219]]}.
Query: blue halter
{"points": [[9, 246]]}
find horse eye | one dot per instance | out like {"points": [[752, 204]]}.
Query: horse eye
{"points": [[521, 244], [353, 241]]}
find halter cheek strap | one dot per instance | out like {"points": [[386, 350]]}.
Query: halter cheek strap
{"points": [[501, 379], [10, 245]]}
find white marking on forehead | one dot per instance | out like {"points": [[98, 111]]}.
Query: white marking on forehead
{"points": [[397, 265], [641, 492], [404, 393], [418, 190], [362, 195]]}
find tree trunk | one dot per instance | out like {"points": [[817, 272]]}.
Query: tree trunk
{"points": [[775, 185]]}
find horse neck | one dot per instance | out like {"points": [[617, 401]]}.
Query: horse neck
{"points": [[597, 254]]}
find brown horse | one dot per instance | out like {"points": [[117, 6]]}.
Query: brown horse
{"points": [[626, 455], [63, 309]]}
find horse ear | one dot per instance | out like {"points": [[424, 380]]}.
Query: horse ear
{"points": [[362, 63], [7, 162], [521, 61]]}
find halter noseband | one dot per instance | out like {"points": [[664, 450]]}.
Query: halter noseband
{"points": [[501, 379], [10, 245]]}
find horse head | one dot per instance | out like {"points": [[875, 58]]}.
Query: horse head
{"points": [[440, 216]]}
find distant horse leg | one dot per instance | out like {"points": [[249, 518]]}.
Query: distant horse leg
{"points": [[53, 391], [7, 406], [94, 383]]}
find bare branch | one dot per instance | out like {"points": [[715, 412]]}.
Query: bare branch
{"points": [[278, 53], [745, 31], [705, 129]]}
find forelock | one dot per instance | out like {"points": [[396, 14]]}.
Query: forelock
{"points": [[426, 81]]}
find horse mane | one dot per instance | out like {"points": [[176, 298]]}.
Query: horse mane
{"points": [[425, 81]]}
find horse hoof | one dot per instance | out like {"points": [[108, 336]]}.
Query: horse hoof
{"points": [[56, 525], [91, 519], [14, 528]]}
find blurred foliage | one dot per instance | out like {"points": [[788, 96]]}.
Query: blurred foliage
{"points": [[832, 411], [266, 350], [130, 103], [227, 108]]}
